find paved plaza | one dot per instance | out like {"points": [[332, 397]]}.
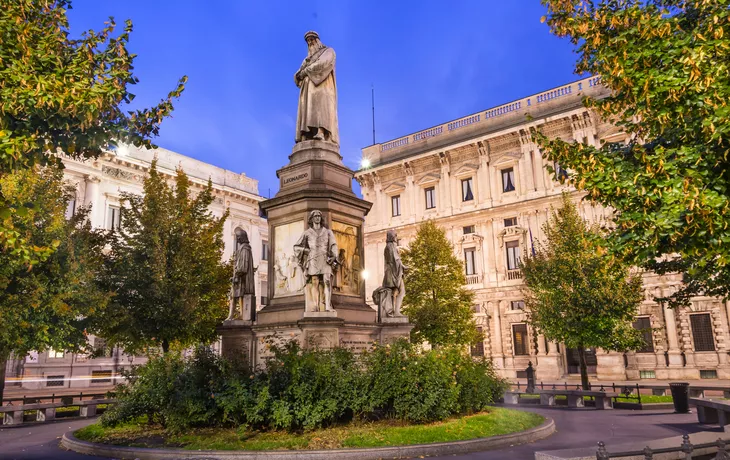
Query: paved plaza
{"points": [[575, 428]]}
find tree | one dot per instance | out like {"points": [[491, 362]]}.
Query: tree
{"points": [[50, 305], [578, 294], [62, 94], [666, 64], [436, 301], [165, 268]]}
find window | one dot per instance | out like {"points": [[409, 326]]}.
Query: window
{"points": [[466, 189], [513, 255], [395, 205], [468, 229], [702, 332], [430, 198], [54, 381], [101, 349], [55, 354], [71, 208], [478, 348], [644, 325], [508, 180], [476, 308], [114, 217], [517, 305], [708, 374], [647, 374], [511, 222], [470, 261], [101, 376], [519, 337], [264, 250], [560, 173]]}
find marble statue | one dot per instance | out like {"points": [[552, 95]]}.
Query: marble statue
{"points": [[389, 297], [317, 112], [317, 253], [243, 289]]}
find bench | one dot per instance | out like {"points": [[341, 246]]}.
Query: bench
{"points": [[45, 412], [604, 399], [712, 412]]}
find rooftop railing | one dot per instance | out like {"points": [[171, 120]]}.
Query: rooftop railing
{"points": [[574, 88]]}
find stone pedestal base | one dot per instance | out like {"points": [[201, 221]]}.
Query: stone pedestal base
{"points": [[320, 314], [237, 340], [392, 331]]}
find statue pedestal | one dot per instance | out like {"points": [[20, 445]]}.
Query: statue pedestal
{"points": [[237, 340], [320, 314], [395, 320]]}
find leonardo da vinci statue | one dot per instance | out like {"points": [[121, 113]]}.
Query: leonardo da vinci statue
{"points": [[317, 113]]}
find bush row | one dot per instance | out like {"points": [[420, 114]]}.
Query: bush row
{"points": [[306, 388]]}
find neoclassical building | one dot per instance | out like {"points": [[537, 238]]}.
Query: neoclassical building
{"points": [[99, 183], [484, 181]]}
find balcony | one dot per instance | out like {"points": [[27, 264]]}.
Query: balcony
{"points": [[514, 274], [473, 279]]}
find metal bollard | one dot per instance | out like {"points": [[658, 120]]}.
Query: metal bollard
{"points": [[687, 447], [648, 454], [721, 452], [601, 453]]}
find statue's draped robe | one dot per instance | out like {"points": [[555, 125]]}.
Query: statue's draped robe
{"points": [[322, 249], [243, 280], [393, 277], [318, 96]]}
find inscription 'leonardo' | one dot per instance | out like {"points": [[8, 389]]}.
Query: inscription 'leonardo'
{"points": [[301, 176]]}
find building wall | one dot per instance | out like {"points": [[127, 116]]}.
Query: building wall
{"points": [[99, 183], [481, 148]]}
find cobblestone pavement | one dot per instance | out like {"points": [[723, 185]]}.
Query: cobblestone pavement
{"points": [[575, 428]]}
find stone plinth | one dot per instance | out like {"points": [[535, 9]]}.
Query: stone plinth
{"points": [[237, 340]]}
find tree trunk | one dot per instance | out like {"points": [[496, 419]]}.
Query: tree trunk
{"points": [[583, 368], [165, 346], [3, 365]]}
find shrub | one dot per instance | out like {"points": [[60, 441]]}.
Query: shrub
{"points": [[307, 388], [173, 391]]}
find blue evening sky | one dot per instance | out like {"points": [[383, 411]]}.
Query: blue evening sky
{"points": [[429, 61]]}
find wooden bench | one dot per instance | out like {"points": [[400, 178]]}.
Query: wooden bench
{"points": [[712, 412], [604, 399], [13, 415]]}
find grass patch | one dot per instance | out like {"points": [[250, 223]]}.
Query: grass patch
{"points": [[648, 399], [495, 421]]}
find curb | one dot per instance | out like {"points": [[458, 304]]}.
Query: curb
{"points": [[70, 442]]}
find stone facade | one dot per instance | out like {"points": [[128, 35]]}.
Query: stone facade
{"points": [[484, 181], [99, 183]]}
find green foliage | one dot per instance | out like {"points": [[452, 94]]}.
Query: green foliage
{"points": [[575, 292], [50, 305], [308, 388], [436, 301], [173, 391], [62, 94], [666, 64], [165, 268]]}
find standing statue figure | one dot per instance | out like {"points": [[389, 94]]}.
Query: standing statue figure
{"points": [[317, 253], [243, 290], [317, 113], [389, 297]]}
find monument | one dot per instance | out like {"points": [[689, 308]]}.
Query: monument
{"points": [[316, 292]]}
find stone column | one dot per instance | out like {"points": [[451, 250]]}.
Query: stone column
{"points": [[675, 358], [483, 183], [379, 211], [91, 197], [497, 346], [409, 197], [539, 169]]}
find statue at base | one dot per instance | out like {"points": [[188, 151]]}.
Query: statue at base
{"points": [[389, 296], [243, 295], [317, 252]]}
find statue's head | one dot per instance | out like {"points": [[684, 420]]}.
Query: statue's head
{"points": [[313, 42], [391, 237], [315, 217], [241, 236]]}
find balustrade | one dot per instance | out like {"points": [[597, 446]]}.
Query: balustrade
{"points": [[394, 144], [431, 132], [501, 110], [473, 279], [514, 274], [464, 122]]}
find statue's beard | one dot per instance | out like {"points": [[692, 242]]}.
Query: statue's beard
{"points": [[315, 47]]}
